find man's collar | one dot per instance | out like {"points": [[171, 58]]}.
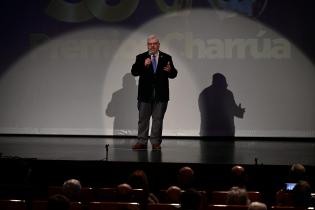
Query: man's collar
{"points": [[156, 54]]}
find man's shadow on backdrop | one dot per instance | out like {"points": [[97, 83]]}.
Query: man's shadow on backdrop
{"points": [[123, 107], [217, 111]]}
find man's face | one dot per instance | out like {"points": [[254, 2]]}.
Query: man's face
{"points": [[153, 46]]}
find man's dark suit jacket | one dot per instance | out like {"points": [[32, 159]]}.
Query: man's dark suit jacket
{"points": [[153, 84]]}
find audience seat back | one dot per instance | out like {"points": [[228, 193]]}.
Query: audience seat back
{"points": [[113, 206], [227, 207], [13, 205], [219, 197]]}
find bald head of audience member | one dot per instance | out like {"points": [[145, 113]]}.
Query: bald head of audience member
{"points": [[297, 172], [238, 170], [124, 192], [185, 177], [72, 188], [173, 194], [257, 206]]}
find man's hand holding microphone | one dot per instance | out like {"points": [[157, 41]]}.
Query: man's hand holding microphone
{"points": [[147, 62]]}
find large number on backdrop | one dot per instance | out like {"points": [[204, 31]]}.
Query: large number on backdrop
{"points": [[84, 10]]}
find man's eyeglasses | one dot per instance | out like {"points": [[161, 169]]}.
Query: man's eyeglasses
{"points": [[153, 43]]}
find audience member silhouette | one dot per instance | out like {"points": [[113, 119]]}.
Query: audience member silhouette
{"points": [[72, 189], [301, 194], [124, 193], [297, 173], [138, 180], [238, 177], [237, 196], [218, 109], [58, 202], [185, 178], [190, 199], [173, 194]]}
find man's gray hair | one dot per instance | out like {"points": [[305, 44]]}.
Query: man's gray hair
{"points": [[237, 196], [152, 36]]}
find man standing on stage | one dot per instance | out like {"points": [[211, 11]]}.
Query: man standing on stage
{"points": [[154, 69]]}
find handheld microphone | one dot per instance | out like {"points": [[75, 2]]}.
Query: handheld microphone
{"points": [[149, 56]]}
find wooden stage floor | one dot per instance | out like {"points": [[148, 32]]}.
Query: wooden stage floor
{"points": [[174, 150]]}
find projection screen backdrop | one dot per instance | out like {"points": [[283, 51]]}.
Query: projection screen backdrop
{"points": [[80, 83]]}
